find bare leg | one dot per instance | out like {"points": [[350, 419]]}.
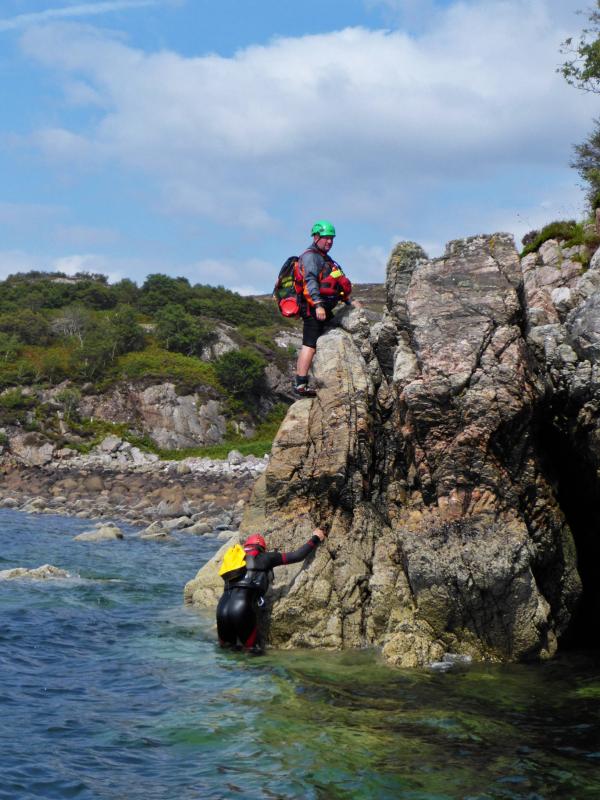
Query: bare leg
{"points": [[305, 360]]}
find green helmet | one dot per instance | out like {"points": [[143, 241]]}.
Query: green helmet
{"points": [[323, 228]]}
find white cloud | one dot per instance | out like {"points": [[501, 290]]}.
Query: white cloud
{"points": [[355, 108], [67, 146], [88, 262], [248, 276], [374, 128], [13, 261], [65, 12]]}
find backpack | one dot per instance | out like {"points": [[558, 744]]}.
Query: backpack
{"points": [[334, 284], [290, 289], [286, 291], [233, 565]]}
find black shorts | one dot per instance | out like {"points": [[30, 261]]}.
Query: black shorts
{"points": [[313, 328]]}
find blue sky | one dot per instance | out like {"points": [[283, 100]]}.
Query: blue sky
{"points": [[202, 138]]}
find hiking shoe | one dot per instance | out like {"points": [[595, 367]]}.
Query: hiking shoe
{"points": [[304, 390]]}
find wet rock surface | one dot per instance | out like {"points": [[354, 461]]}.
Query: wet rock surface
{"points": [[454, 450], [43, 573]]}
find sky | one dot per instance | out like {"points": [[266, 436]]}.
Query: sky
{"points": [[203, 139]]}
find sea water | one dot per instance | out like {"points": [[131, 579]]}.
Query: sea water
{"points": [[111, 689]]}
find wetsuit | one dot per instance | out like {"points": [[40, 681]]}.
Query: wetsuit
{"points": [[317, 266], [237, 611]]}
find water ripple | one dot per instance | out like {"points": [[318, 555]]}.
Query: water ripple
{"points": [[110, 690]]}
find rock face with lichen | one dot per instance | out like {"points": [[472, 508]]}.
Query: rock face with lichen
{"points": [[454, 450]]}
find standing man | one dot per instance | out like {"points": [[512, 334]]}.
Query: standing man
{"points": [[325, 285]]}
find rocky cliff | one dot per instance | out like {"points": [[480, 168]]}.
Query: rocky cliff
{"points": [[454, 450]]}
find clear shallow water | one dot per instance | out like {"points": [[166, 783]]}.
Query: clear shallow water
{"points": [[110, 689]]}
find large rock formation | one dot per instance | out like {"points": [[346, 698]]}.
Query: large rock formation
{"points": [[445, 450], [172, 420]]}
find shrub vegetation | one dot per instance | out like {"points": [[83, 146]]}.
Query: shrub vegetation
{"points": [[569, 232]]}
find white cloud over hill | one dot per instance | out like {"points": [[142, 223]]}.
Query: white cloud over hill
{"points": [[376, 125]]}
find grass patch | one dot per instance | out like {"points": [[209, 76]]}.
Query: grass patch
{"points": [[247, 447], [162, 365]]}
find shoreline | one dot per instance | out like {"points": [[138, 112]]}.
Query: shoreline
{"points": [[196, 495]]}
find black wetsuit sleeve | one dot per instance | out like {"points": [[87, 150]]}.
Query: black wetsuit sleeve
{"points": [[279, 559]]}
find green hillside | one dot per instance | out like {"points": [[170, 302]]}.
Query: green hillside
{"points": [[89, 335]]}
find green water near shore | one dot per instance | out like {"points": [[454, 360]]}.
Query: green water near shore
{"points": [[110, 689], [358, 729]]}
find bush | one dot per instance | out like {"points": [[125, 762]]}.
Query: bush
{"points": [[219, 303], [69, 399], [181, 332], [158, 290], [28, 326], [14, 399], [14, 407], [567, 231], [15, 373], [52, 364], [241, 372], [10, 346], [529, 237]]}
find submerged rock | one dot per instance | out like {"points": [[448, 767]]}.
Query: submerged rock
{"points": [[45, 572], [422, 451], [102, 533]]}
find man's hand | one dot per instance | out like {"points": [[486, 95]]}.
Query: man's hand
{"points": [[320, 313], [357, 304], [320, 533]]}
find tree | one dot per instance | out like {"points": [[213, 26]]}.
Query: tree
{"points": [[74, 321], [127, 334], [587, 164], [582, 69], [158, 290], [69, 399], [94, 294], [126, 292], [97, 350]]}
